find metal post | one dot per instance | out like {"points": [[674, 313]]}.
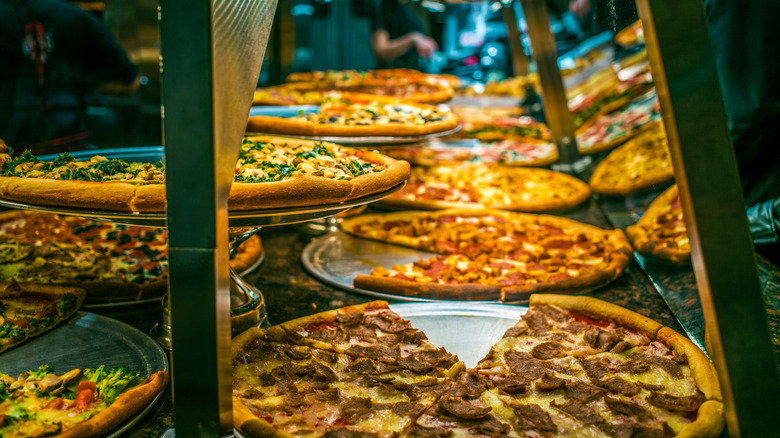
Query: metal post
{"points": [[520, 61], [212, 52], [686, 78], [556, 107]]}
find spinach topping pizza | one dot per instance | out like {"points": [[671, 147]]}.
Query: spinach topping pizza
{"points": [[270, 173]]}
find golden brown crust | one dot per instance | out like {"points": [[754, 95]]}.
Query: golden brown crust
{"points": [[113, 196], [149, 198], [703, 371], [646, 244], [372, 183], [709, 421], [125, 406], [248, 253], [395, 286], [600, 310], [300, 190], [253, 426]]}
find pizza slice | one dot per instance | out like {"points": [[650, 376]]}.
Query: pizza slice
{"points": [[344, 114], [661, 231], [28, 309], [80, 403], [609, 130], [491, 254], [640, 163], [514, 152]]}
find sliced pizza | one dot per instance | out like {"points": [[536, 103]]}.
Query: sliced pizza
{"points": [[609, 130], [661, 231]]}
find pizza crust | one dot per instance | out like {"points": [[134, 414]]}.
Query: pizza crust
{"points": [[113, 196], [703, 372], [709, 421], [125, 406], [642, 241], [253, 426], [395, 286]]}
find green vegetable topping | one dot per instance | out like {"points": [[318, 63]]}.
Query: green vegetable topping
{"points": [[42, 371]]}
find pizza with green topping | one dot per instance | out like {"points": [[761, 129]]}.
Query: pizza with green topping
{"points": [[270, 173], [28, 309], [360, 115]]}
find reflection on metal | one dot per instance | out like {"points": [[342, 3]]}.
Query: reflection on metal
{"points": [[211, 58], [520, 62], [684, 71], [556, 107]]}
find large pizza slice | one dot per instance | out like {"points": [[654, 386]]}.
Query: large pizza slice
{"points": [[491, 254], [485, 186], [641, 162], [359, 115], [80, 403], [270, 173], [27, 310], [572, 366], [609, 130], [661, 231]]}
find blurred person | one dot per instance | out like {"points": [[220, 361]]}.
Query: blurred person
{"points": [[398, 37], [55, 59]]}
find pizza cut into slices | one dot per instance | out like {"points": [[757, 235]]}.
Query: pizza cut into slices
{"points": [[513, 152], [80, 403], [489, 186], [490, 254], [571, 366], [270, 173], [343, 114], [661, 231], [641, 162], [112, 262], [28, 309], [611, 129]]}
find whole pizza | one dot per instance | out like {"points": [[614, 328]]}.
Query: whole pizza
{"points": [[490, 254], [641, 162], [570, 367], [609, 130], [270, 173], [112, 262], [359, 115], [489, 186], [661, 231]]}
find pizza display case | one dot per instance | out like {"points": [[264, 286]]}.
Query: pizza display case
{"points": [[217, 47]]}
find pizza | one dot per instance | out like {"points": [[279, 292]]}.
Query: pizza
{"points": [[27, 310], [315, 93], [515, 152], [661, 231], [630, 35], [610, 96], [516, 86], [80, 403], [358, 75], [490, 254], [609, 130], [112, 262], [270, 173], [489, 186], [360, 115], [641, 162], [501, 127], [571, 366]]}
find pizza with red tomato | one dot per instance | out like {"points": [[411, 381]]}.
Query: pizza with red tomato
{"points": [[80, 403]]}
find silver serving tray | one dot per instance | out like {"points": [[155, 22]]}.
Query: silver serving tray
{"points": [[337, 257], [88, 340]]}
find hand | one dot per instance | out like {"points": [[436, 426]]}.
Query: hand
{"points": [[425, 46], [579, 8]]}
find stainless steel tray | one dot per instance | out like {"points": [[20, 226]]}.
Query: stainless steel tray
{"points": [[337, 257], [88, 340], [465, 329]]}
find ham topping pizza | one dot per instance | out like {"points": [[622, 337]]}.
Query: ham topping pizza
{"points": [[661, 230], [572, 366], [485, 186], [641, 162], [80, 403], [270, 173], [491, 254], [514, 152], [112, 262], [356, 114], [27, 310], [609, 130]]}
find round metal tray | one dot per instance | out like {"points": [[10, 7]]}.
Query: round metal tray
{"points": [[88, 340]]}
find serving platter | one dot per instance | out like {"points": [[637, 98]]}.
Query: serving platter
{"points": [[88, 340]]}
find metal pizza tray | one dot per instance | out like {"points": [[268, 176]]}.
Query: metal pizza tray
{"points": [[88, 340], [337, 257]]}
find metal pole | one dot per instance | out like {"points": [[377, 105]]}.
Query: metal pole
{"points": [[520, 61], [212, 53], [686, 78]]}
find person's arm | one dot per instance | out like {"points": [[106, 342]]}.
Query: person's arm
{"points": [[386, 49]]}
